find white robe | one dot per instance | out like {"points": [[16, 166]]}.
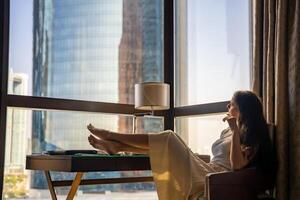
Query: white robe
{"points": [[178, 173]]}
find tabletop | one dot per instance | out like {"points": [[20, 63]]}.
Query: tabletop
{"points": [[87, 162]]}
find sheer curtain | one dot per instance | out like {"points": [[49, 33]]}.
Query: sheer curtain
{"points": [[275, 77]]}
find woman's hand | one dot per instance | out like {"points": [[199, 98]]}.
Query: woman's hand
{"points": [[231, 122]]}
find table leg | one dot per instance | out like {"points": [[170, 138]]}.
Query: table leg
{"points": [[75, 184], [50, 185]]}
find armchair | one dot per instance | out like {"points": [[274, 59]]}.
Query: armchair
{"points": [[245, 184]]}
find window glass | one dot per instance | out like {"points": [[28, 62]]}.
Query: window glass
{"points": [[200, 132], [32, 131], [211, 50], [92, 50]]}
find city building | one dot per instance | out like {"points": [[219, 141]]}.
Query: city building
{"points": [[140, 56], [17, 137]]}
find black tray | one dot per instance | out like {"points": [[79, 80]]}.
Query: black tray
{"points": [[69, 152]]}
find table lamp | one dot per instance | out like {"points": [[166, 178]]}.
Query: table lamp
{"points": [[151, 96]]}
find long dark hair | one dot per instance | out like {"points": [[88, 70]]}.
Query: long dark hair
{"points": [[254, 129]]}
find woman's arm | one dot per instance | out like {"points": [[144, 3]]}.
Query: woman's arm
{"points": [[239, 157]]}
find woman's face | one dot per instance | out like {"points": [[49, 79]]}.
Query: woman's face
{"points": [[233, 109]]}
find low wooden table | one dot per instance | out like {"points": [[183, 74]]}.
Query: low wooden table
{"points": [[81, 163]]}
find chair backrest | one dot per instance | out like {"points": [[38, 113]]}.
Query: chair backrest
{"points": [[244, 184]]}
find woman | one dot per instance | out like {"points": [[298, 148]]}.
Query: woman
{"points": [[178, 172]]}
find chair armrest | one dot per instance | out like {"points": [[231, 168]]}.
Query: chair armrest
{"points": [[242, 184], [249, 176], [205, 158]]}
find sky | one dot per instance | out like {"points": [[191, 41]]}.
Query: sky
{"points": [[218, 49], [20, 42]]}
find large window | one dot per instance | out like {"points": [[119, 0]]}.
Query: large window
{"points": [[76, 61], [212, 60]]}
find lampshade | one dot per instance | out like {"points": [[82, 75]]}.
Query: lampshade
{"points": [[152, 96]]}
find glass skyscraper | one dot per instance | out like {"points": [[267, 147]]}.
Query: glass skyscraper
{"points": [[75, 55], [140, 54], [85, 49]]}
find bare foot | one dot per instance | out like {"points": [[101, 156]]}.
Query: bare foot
{"points": [[101, 133], [110, 147]]}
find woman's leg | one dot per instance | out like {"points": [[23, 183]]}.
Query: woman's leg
{"points": [[134, 140], [113, 147]]}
